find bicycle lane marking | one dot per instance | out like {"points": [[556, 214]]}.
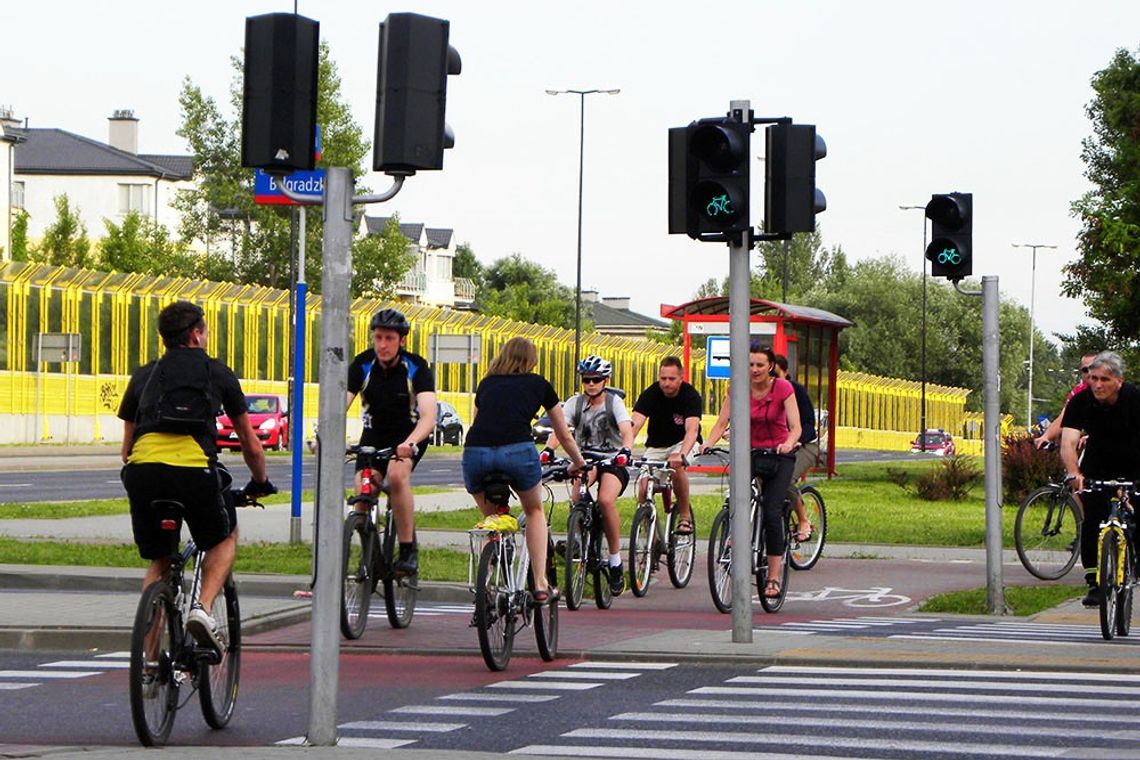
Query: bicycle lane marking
{"points": [[878, 596]]}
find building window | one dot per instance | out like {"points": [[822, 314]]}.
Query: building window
{"points": [[18, 194], [134, 198]]}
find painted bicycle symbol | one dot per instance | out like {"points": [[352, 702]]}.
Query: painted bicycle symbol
{"points": [[878, 596], [720, 204], [949, 256]]}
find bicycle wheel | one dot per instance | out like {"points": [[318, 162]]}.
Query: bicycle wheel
{"points": [[774, 604], [641, 540], [218, 684], [1124, 598], [493, 618], [357, 585], [1047, 533], [804, 554], [546, 615], [682, 548], [575, 559], [399, 593], [1108, 586], [720, 561], [153, 688], [599, 567]]}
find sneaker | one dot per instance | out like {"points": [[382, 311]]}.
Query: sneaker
{"points": [[408, 563], [1092, 598], [617, 580], [204, 629]]}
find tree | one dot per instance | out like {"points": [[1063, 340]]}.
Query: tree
{"points": [[379, 261], [466, 265], [518, 289], [1107, 273], [807, 262], [65, 242], [20, 248], [141, 245]]}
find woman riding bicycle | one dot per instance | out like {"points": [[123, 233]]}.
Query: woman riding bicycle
{"points": [[775, 430], [499, 440]]}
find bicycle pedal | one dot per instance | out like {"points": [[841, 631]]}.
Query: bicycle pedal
{"points": [[560, 548]]}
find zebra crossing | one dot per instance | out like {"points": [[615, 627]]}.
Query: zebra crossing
{"points": [[1039, 633], [431, 609], [61, 670], [832, 626], [412, 724], [819, 712]]}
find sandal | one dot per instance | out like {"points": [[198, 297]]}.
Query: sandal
{"points": [[772, 589], [803, 534], [546, 596], [685, 526]]}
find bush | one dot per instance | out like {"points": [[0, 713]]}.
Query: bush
{"points": [[1024, 467], [951, 480]]}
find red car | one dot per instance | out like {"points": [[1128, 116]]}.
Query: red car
{"points": [[937, 442], [270, 420]]}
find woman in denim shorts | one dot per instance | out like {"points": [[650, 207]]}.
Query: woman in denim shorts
{"points": [[499, 440]]}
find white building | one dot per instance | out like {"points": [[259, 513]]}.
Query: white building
{"points": [[430, 280], [101, 180], [8, 142]]}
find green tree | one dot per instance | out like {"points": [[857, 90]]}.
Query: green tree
{"points": [[65, 242], [20, 248], [807, 263], [466, 265], [141, 245], [379, 261], [515, 288], [1107, 273]]}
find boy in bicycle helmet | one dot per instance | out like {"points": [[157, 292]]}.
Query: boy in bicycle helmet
{"points": [[601, 422], [397, 401]]}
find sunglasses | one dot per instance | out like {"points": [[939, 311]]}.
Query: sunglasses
{"points": [[592, 380], [1084, 370]]}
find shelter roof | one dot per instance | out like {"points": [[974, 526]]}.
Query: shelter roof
{"points": [[718, 306]]}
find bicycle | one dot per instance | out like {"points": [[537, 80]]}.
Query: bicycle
{"points": [[804, 555], [1116, 557], [369, 554], [720, 550], [164, 657], [499, 575], [586, 537], [646, 542], [1047, 531]]}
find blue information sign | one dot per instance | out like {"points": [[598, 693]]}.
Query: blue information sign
{"points": [[716, 358]]}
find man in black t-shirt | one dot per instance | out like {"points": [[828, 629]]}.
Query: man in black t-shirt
{"points": [[673, 409], [807, 448], [1108, 412], [397, 399]]}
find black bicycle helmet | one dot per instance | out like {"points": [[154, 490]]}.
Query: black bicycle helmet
{"points": [[390, 319]]}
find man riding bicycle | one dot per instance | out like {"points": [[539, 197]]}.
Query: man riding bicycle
{"points": [[1108, 411], [169, 413], [601, 422], [397, 399]]}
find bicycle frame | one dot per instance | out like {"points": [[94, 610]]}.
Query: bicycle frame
{"points": [[1120, 520], [657, 478]]}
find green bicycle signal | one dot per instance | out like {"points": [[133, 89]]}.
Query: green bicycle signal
{"points": [[720, 204], [949, 256]]}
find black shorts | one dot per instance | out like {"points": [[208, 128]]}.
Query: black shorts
{"points": [[621, 473], [210, 516]]}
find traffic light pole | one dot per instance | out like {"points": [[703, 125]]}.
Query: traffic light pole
{"points": [[739, 430], [995, 593]]}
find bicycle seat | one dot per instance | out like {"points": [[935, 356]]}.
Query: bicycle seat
{"points": [[497, 488], [169, 512]]}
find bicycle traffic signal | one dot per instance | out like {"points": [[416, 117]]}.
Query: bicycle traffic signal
{"points": [[951, 221], [708, 178], [791, 199], [411, 94]]}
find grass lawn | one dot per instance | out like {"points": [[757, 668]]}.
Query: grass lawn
{"points": [[1021, 600]]}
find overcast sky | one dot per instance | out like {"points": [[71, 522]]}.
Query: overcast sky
{"points": [[912, 99]]}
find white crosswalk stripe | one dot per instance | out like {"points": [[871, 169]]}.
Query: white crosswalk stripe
{"points": [[63, 670], [1041, 633], [831, 625]]}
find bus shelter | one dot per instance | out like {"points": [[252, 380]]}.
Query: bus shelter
{"points": [[808, 337]]}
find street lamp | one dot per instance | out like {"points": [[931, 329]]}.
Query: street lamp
{"points": [[1032, 294], [581, 157], [922, 423]]}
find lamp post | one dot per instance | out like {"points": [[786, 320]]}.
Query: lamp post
{"points": [[581, 157], [1032, 294], [922, 413]]}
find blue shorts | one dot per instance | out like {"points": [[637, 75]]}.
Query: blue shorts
{"points": [[518, 461]]}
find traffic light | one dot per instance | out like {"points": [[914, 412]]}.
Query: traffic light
{"points": [[708, 178], [411, 94], [279, 93], [951, 222], [791, 199]]}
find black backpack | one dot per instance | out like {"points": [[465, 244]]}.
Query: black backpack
{"points": [[178, 397]]}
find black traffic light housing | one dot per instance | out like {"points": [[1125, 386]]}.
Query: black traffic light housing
{"points": [[951, 239], [709, 178], [411, 94], [791, 199], [279, 93]]}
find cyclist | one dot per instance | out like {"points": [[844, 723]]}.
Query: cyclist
{"points": [[177, 459], [500, 441], [673, 409], [807, 449], [601, 422], [397, 401], [1052, 433], [1108, 410], [775, 430]]}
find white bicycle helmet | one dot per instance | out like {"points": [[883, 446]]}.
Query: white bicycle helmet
{"points": [[595, 365]]}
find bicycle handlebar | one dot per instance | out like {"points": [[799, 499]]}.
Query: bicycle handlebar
{"points": [[377, 455], [1108, 485], [243, 499]]}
